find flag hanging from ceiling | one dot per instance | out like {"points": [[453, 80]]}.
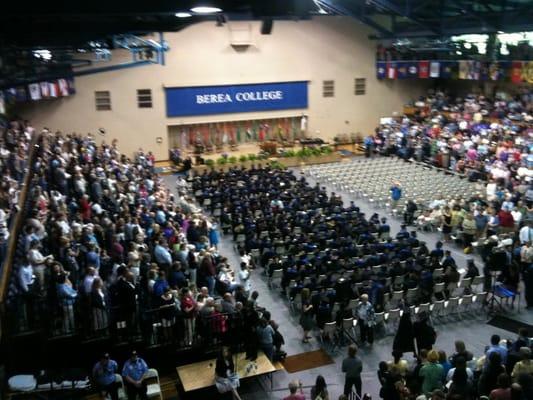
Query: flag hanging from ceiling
{"points": [[35, 91], [391, 70], [495, 72], [463, 69], [71, 87], [402, 70], [45, 90], [423, 69], [527, 71], [54, 89], [2, 103], [446, 69], [412, 69], [434, 69], [21, 94], [516, 72], [381, 70], [63, 87]]}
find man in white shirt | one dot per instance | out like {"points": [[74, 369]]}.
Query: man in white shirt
{"points": [[26, 278], [89, 279], [526, 233]]}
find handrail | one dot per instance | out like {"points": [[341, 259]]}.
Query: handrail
{"points": [[17, 224]]}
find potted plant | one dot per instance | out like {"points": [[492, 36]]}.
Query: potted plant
{"points": [[222, 161], [252, 157], [243, 158], [232, 160], [210, 163]]}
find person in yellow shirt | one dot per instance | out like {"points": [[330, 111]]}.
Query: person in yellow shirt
{"points": [[399, 363], [525, 365]]}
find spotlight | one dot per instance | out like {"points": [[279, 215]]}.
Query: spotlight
{"points": [[183, 14]]}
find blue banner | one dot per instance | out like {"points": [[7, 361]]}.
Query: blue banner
{"points": [[204, 100], [381, 69]]}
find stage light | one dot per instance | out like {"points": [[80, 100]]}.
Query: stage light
{"points": [[183, 14]]}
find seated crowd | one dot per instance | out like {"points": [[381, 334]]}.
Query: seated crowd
{"points": [[109, 251], [322, 251], [488, 140]]}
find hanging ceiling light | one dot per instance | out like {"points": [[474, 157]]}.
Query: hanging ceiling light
{"points": [[183, 14], [205, 10]]}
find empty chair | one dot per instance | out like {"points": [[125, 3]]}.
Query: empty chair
{"points": [[412, 295], [275, 279], [452, 306], [397, 297], [466, 303], [153, 386], [348, 327], [392, 317], [335, 309], [477, 281], [423, 308], [465, 285], [437, 309], [330, 328], [479, 299], [452, 288]]}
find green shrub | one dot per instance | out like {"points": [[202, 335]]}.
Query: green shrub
{"points": [[326, 150], [210, 163], [290, 153], [252, 157], [243, 158], [232, 160], [222, 161]]}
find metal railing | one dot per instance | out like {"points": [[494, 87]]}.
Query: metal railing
{"points": [[15, 228]]}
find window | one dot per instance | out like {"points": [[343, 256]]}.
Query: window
{"points": [[328, 89], [360, 86], [103, 100], [144, 98]]}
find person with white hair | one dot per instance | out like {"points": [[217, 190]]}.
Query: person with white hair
{"points": [[364, 312]]}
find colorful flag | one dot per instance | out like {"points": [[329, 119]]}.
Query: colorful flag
{"points": [[527, 71], [35, 91], [495, 72], [446, 69], [423, 69], [516, 72], [381, 70], [54, 89], [412, 70], [434, 69], [21, 94], [402, 70], [63, 87], [71, 87], [463, 69], [2, 103], [391, 70], [45, 90]]}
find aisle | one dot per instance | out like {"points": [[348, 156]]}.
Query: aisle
{"points": [[473, 332]]}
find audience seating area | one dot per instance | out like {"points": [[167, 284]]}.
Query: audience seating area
{"points": [[371, 180]]}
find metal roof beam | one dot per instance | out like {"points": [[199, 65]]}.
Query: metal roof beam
{"points": [[340, 10], [404, 13]]}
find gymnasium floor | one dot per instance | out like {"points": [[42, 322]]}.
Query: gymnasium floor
{"points": [[474, 332]]}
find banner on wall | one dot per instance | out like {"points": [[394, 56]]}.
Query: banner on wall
{"points": [[205, 100], [423, 69]]}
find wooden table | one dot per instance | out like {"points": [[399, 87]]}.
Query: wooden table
{"points": [[201, 375]]}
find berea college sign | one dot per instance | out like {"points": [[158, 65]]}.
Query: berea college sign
{"points": [[205, 100]]}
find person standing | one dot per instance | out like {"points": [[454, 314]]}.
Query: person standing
{"points": [[320, 390], [133, 373], [104, 376], [352, 367], [396, 194], [306, 318], [365, 315], [432, 374]]}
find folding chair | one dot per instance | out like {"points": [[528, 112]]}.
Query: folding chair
{"points": [[153, 386], [391, 318], [275, 279]]}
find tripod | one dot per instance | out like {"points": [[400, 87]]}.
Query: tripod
{"points": [[494, 305]]}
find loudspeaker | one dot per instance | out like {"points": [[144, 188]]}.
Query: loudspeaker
{"points": [[266, 26]]}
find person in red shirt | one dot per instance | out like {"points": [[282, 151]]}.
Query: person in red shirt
{"points": [[506, 220], [189, 309], [293, 388]]}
